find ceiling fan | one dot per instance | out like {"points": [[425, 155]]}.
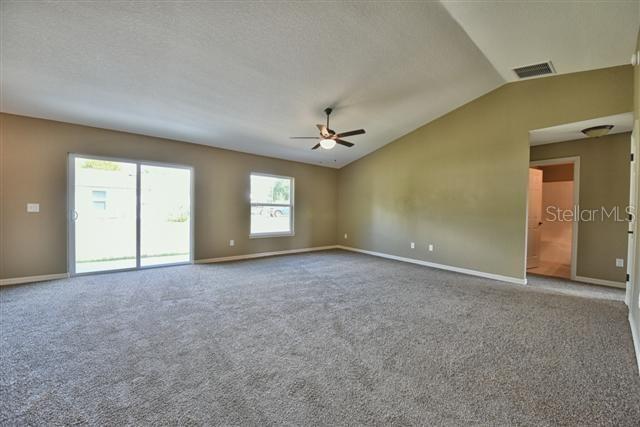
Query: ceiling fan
{"points": [[328, 137]]}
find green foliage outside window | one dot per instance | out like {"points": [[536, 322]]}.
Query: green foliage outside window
{"points": [[281, 192], [100, 165]]}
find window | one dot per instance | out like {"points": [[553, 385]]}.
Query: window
{"points": [[99, 199], [271, 205]]}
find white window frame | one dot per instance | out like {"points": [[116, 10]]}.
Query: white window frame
{"points": [[291, 207]]}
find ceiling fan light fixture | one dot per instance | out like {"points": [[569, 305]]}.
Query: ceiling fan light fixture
{"points": [[596, 131], [327, 144], [329, 138]]}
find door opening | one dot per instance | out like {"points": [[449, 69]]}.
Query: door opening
{"points": [[552, 229], [126, 214], [534, 222]]}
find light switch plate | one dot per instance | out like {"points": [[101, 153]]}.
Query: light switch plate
{"points": [[232, 242], [413, 245], [345, 235], [33, 207], [619, 262], [430, 247]]}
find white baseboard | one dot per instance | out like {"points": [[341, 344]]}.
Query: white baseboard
{"points": [[31, 279], [499, 277], [263, 254], [635, 334], [601, 282], [44, 277]]}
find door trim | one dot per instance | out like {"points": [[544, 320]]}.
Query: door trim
{"points": [[634, 192], [528, 206], [575, 160], [71, 250]]}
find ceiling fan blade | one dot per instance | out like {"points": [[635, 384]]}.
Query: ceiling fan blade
{"points": [[316, 146], [304, 137], [323, 130], [351, 133], [345, 143]]}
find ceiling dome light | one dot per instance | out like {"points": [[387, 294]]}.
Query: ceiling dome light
{"points": [[327, 144], [596, 131]]}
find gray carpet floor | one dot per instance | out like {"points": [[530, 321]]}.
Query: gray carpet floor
{"points": [[568, 287], [327, 338]]}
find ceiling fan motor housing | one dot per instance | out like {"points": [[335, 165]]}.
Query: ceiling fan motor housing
{"points": [[328, 137]]}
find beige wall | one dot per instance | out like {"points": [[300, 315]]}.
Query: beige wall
{"points": [[556, 173], [34, 169], [604, 181], [460, 182]]}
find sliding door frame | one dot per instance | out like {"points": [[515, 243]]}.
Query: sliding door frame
{"points": [[71, 229]]}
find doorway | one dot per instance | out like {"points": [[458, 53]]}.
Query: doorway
{"points": [[552, 231], [126, 214]]}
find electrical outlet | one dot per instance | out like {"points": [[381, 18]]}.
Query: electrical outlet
{"points": [[619, 262], [232, 242], [345, 235], [413, 245], [430, 247], [33, 207]]}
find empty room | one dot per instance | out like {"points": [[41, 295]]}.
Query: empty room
{"points": [[319, 213]]}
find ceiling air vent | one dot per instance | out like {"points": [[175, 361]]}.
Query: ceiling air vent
{"points": [[535, 70]]}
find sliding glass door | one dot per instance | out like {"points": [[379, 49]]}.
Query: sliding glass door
{"points": [[104, 214], [127, 214], [165, 215]]}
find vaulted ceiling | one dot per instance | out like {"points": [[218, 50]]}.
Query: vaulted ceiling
{"points": [[248, 75]]}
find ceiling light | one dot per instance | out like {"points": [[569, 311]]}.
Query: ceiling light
{"points": [[327, 144], [596, 131]]}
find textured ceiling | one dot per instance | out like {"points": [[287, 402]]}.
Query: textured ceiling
{"points": [[571, 131], [247, 75]]}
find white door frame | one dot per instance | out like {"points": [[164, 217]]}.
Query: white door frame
{"points": [[632, 282], [71, 229], [575, 160]]}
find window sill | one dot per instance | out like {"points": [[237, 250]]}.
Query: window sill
{"points": [[266, 235]]}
